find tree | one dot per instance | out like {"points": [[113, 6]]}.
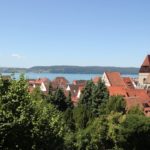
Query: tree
{"points": [[48, 127], [94, 136], [116, 104], [69, 101], [28, 121], [69, 119], [15, 115], [134, 132], [50, 92], [86, 96], [59, 100], [99, 95], [136, 110], [82, 116]]}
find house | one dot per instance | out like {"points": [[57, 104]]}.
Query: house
{"points": [[133, 97], [59, 82], [79, 82], [117, 90], [73, 89], [144, 74], [42, 83], [129, 82], [31, 85], [79, 92], [96, 79], [126, 92], [113, 79], [144, 105]]}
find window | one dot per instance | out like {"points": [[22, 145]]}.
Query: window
{"points": [[144, 80]]}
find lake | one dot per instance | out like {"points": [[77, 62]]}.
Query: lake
{"points": [[69, 77]]}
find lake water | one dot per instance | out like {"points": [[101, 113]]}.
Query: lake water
{"points": [[69, 77]]}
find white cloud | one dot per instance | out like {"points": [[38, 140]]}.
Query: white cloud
{"points": [[16, 56]]}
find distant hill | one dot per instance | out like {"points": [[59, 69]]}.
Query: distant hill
{"points": [[12, 70], [71, 69]]}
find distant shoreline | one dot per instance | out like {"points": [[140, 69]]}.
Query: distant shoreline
{"points": [[70, 69], [70, 77]]}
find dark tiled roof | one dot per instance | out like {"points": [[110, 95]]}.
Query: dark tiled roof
{"points": [[145, 68]]}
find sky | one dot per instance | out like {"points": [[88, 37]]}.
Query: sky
{"points": [[74, 32]]}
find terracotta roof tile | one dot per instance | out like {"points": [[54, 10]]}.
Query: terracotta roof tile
{"points": [[79, 82], [96, 79], [115, 79], [59, 82], [73, 89], [138, 93], [133, 101], [128, 82], [117, 90]]}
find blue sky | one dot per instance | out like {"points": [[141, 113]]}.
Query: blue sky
{"points": [[74, 32]]}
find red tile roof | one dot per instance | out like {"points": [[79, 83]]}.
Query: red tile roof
{"points": [[115, 79], [37, 83], [138, 93], [96, 79], [117, 90], [137, 101], [73, 89], [40, 80], [133, 102], [128, 82], [59, 82], [81, 87], [79, 82]]}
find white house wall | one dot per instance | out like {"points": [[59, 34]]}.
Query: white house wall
{"points": [[105, 79]]}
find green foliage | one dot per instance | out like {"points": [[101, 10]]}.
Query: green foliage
{"points": [[86, 96], [69, 119], [99, 96], [59, 100], [15, 115], [69, 101], [82, 116], [114, 120], [48, 128], [115, 131], [116, 104], [135, 132], [37, 95], [94, 136], [136, 110], [70, 141], [28, 122], [50, 92]]}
